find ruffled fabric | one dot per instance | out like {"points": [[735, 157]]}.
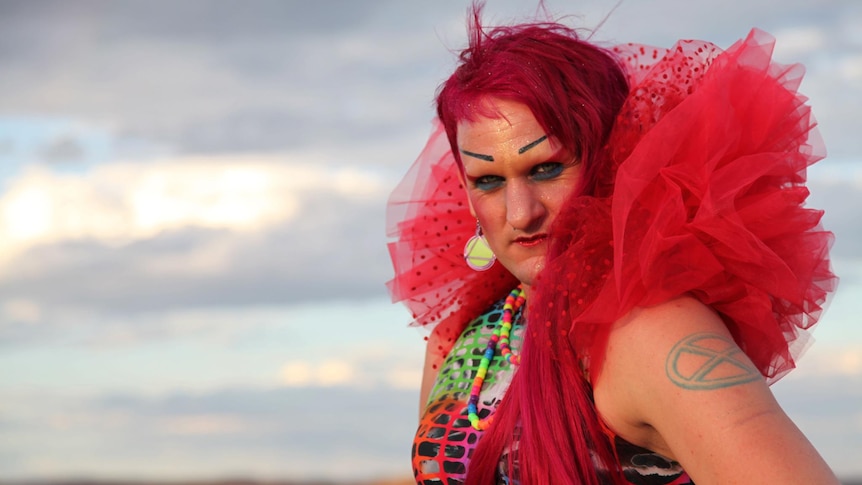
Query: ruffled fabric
{"points": [[708, 200], [430, 220], [710, 153]]}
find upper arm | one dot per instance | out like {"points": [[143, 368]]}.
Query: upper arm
{"points": [[429, 371], [674, 381]]}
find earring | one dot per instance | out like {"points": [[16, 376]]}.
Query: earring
{"points": [[477, 253]]}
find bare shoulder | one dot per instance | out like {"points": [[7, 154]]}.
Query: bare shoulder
{"points": [[674, 381], [681, 343], [655, 353], [667, 320]]}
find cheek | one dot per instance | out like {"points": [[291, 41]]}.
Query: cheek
{"points": [[563, 192], [556, 201], [490, 213]]}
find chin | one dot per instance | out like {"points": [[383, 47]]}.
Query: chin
{"points": [[526, 271]]}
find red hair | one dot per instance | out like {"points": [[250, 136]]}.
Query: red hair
{"points": [[575, 90]]}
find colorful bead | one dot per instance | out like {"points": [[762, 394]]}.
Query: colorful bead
{"points": [[500, 338]]}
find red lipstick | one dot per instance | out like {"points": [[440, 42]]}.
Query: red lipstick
{"points": [[531, 241]]}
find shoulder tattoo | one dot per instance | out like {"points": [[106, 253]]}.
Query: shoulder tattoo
{"points": [[705, 361]]}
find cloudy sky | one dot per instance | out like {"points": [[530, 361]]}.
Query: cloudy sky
{"points": [[192, 244]]}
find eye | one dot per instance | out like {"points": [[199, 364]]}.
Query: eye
{"points": [[547, 171], [488, 182]]}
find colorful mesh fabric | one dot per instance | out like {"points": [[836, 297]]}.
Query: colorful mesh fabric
{"points": [[444, 440]]}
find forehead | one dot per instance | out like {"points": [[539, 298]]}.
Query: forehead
{"points": [[504, 134]]}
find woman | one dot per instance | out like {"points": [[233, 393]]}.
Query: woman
{"points": [[645, 210]]}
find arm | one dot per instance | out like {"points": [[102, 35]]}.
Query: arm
{"points": [[429, 372], [675, 382]]}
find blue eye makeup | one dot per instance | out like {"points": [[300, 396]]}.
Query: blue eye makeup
{"points": [[547, 171], [488, 182], [539, 173]]}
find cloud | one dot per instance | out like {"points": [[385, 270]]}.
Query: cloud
{"points": [[798, 41], [323, 433], [299, 432], [20, 311], [326, 374], [827, 409], [107, 244], [363, 371], [7, 146], [258, 141], [272, 76], [120, 203], [192, 232], [297, 374], [836, 188], [263, 76], [63, 149], [202, 425], [837, 362]]}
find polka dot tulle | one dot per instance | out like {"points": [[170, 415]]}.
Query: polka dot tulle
{"points": [[706, 198], [429, 216]]}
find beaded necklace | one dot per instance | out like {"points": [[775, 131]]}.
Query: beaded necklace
{"points": [[500, 336]]}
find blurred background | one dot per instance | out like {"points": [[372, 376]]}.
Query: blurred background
{"points": [[192, 234]]}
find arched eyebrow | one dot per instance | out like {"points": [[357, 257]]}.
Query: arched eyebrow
{"points": [[531, 144], [489, 158]]}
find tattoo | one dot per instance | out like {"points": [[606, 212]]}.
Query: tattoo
{"points": [[706, 361]]}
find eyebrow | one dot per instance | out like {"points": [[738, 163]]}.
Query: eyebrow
{"points": [[532, 144], [489, 158]]}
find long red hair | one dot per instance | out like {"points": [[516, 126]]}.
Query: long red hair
{"points": [[575, 90]]}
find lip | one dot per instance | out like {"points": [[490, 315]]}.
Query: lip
{"points": [[531, 241]]}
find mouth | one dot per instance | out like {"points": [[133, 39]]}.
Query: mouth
{"points": [[531, 241]]}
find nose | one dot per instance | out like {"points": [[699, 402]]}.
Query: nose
{"points": [[524, 208]]}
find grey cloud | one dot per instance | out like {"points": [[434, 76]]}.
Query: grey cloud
{"points": [[328, 429], [63, 149], [7, 146], [232, 76], [334, 249], [218, 21], [841, 202], [237, 88], [277, 130], [826, 410], [330, 433]]}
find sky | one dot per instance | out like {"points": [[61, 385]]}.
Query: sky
{"points": [[192, 233]]}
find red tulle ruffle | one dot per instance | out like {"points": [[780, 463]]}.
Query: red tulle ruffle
{"points": [[708, 200], [711, 150], [429, 217]]}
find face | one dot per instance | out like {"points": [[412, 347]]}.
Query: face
{"points": [[517, 179]]}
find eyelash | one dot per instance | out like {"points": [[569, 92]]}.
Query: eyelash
{"points": [[547, 170], [541, 172]]}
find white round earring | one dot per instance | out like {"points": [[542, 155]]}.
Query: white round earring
{"points": [[477, 252]]}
